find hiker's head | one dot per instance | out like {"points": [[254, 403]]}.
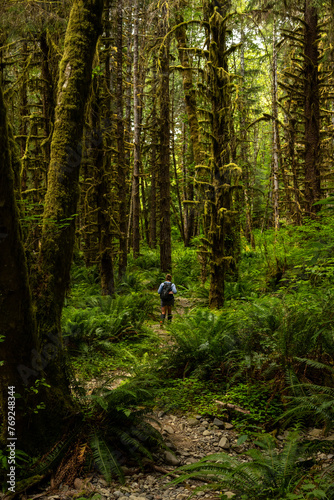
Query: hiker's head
{"points": [[168, 277]]}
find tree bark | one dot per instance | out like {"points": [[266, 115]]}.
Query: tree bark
{"points": [[61, 199], [191, 110], [223, 240], [312, 108], [275, 146], [121, 165], [17, 321], [164, 167], [136, 139]]}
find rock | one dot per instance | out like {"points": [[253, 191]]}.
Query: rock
{"points": [[117, 493], [207, 433], [205, 422], [228, 426], [330, 437], [78, 483], [218, 423], [182, 496], [103, 482], [150, 479], [169, 429], [171, 459], [224, 443], [170, 445], [315, 433], [192, 422], [229, 494]]}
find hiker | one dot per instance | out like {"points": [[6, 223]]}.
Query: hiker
{"points": [[167, 289]]}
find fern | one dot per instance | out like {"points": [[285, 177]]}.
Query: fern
{"points": [[105, 458], [269, 474], [316, 403]]}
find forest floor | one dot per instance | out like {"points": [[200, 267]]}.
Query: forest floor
{"points": [[188, 437]]}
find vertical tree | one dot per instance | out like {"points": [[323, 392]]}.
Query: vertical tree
{"points": [[57, 242], [121, 166], [223, 238], [312, 107], [164, 165], [136, 139], [17, 322]]}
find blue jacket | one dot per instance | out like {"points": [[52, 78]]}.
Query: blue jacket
{"points": [[162, 284]]}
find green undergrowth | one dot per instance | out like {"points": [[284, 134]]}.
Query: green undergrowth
{"points": [[245, 405]]}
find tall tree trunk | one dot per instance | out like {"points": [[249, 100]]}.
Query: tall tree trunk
{"points": [[191, 110], [154, 141], [312, 107], [223, 234], [61, 199], [17, 321], [275, 146], [136, 139], [164, 166], [121, 166], [244, 148]]}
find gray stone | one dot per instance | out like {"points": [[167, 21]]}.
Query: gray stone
{"points": [[229, 494], [228, 426], [171, 459], [117, 493], [224, 443], [169, 429], [192, 422], [218, 423], [315, 433], [207, 433]]}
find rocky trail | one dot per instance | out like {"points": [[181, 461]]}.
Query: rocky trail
{"points": [[188, 438]]}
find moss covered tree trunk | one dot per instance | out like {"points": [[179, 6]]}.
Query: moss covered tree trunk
{"points": [[312, 107], [154, 141], [191, 110], [61, 200], [17, 322], [121, 164], [164, 165], [136, 139], [223, 237]]}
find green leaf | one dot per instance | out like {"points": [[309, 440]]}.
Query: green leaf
{"points": [[242, 439]]}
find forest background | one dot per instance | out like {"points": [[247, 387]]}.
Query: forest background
{"points": [[139, 138]]}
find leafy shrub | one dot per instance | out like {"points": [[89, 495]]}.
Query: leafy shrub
{"points": [[267, 474], [106, 319], [203, 340]]}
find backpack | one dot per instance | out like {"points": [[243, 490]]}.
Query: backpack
{"points": [[165, 295]]}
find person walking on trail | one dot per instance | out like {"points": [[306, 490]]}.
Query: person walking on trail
{"points": [[167, 290]]}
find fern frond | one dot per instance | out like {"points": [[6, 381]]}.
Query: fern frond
{"points": [[105, 459]]}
